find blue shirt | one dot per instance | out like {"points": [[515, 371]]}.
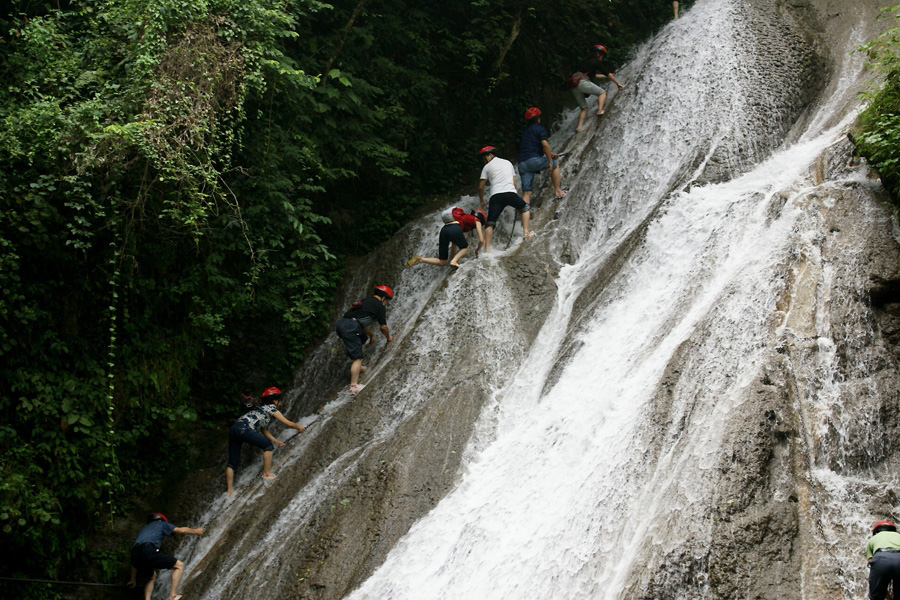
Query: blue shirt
{"points": [[530, 146], [153, 533]]}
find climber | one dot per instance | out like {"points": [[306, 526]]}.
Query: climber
{"points": [[474, 220], [353, 329], [883, 554], [452, 240], [582, 85], [501, 175], [535, 155], [147, 559], [252, 428]]}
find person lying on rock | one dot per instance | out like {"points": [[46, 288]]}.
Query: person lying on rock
{"points": [[353, 329], [883, 554], [253, 428], [452, 239], [147, 559]]}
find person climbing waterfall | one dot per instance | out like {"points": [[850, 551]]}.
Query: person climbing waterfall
{"points": [[253, 428], [452, 240], [353, 329], [582, 84], [883, 556], [474, 220], [501, 175], [536, 157], [147, 559]]}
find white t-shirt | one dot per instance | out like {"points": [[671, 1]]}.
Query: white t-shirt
{"points": [[500, 175]]}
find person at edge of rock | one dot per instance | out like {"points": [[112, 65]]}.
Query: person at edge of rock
{"points": [[501, 175], [675, 8], [535, 155], [883, 555], [353, 329], [452, 241], [147, 559], [589, 69], [253, 428]]}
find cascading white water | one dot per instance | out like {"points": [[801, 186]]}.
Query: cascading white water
{"points": [[595, 467]]}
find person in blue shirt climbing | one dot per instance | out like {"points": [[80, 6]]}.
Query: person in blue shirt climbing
{"points": [[147, 558], [535, 155], [883, 555]]}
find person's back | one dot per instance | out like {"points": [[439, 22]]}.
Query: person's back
{"points": [[883, 554], [369, 310], [530, 146]]}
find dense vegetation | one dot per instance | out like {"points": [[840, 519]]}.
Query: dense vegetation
{"points": [[182, 181], [878, 137]]}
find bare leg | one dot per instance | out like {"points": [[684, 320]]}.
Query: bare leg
{"points": [[526, 218], [526, 196], [488, 233], [355, 368], [601, 101], [267, 466], [675, 8], [229, 481], [581, 117], [177, 572], [148, 589], [556, 178], [433, 261], [455, 261]]}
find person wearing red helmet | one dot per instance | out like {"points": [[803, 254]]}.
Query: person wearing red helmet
{"points": [[501, 175], [883, 555], [452, 239], [147, 558], [353, 329], [582, 83], [535, 155], [253, 428]]}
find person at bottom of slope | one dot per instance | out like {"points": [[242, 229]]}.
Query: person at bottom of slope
{"points": [[883, 554], [147, 558], [452, 238], [535, 155], [253, 428], [353, 329], [589, 69], [501, 175]]}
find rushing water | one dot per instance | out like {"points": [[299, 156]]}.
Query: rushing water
{"points": [[598, 453]]}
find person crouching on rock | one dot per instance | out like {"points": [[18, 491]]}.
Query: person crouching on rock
{"points": [[353, 329], [147, 558], [883, 554], [253, 428], [452, 239]]}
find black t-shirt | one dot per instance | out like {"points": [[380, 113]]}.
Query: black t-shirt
{"points": [[591, 66], [370, 309]]}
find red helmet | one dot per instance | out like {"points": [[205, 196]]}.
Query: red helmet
{"points": [[598, 48], [272, 391], [156, 517], [532, 112], [480, 215], [487, 150], [385, 290], [883, 526]]}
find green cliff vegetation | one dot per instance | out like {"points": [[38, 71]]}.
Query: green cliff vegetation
{"points": [[182, 181], [878, 137]]}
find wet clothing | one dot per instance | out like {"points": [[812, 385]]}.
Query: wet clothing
{"points": [[451, 234], [467, 222], [500, 175], [500, 201], [584, 89], [246, 430], [884, 550], [146, 556], [351, 327]]}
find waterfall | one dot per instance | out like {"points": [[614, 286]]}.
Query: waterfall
{"points": [[679, 389]]}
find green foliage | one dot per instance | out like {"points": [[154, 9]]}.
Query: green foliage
{"points": [[878, 138]]}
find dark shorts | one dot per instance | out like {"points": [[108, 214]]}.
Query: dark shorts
{"points": [[351, 333], [241, 433], [146, 558], [451, 233], [500, 201]]}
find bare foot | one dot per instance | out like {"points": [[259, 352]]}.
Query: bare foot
{"points": [[454, 265], [561, 193], [269, 476], [175, 597], [356, 388], [528, 235]]}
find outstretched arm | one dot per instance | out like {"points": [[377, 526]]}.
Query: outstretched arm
{"points": [[387, 335], [616, 81], [189, 530], [284, 421]]}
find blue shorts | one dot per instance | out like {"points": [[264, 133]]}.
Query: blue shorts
{"points": [[351, 333], [239, 433], [451, 233], [500, 201], [531, 167]]}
